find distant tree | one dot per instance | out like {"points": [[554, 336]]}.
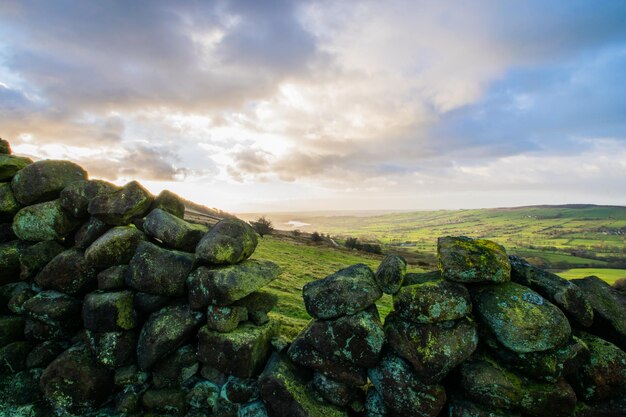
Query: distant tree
{"points": [[296, 232], [316, 237], [351, 242], [263, 226]]}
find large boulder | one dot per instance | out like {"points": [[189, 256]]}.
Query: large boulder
{"points": [[8, 204], [432, 302], [170, 202], [284, 390], [561, 292], [165, 331], [109, 311], [609, 308], [68, 272], [173, 231], [119, 207], [403, 392], [34, 258], [521, 319], [74, 382], [159, 271], [75, 197], [43, 221], [357, 338], [227, 284], [432, 349], [230, 241], [11, 165], [347, 291], [117, 246], [43, 180], [463, 259], [390, 274]]}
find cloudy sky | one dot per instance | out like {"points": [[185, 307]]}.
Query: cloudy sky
{"points": [[309, 105]]}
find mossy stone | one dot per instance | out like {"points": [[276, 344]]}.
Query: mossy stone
{"points": [[89, 231], [20, 395], [8, 204], [285, 392], [5, 147], [159, 271], [240, 390], [254, 409], [258, 304], [16, 303], [34, 258], [225, 319], [167, 401], [44, 353], [13, 357], [119, 207], [109, 311], [432, 302], [130, 375], [347, 291], [112, 349], [176, 368], [165, 331], [230, 241], [43, 221], [113, 278], [375, 404], [432, 349], [521, 319], [241, 353], [6, 232], [11, 165], [203, 395], [76, 196], [333, 391], [53, 308], [463, 259], [68, 272], [412, 278], [390, 274], [461, 407], [12, 329], [174, 232], [7, 291], [43, 180], [563, 293], [403, 392], [170, 202], [117, 246], [227, 284], [10, 261]]}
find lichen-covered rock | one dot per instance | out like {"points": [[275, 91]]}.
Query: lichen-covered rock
{"points": [[169, 401], [170, 202], [8, 204], [165, 331], [44, 353], [20, 395], [43, 180], [34, 258], [7, 291], [540, 399], [603, 374], [463, 259], [334, 392], [12, 329], [230, 241], [390, 274], [174, 232], [357, 338], [432, 302], [10, 261], [130, 375], [109, 311], [240, 390], [403, 392], [609, 309], [10, 165], [128, 400], [302, 353], [284, 391], [16, 303], [203, 395], [68, 272], [347, 291], [176, 368], [432, 349], [241, 353], [43, 221], [559, 291], [37, 330], [5, 147], [225, 319], [225, 285], [112, 349], [258, 304], [117, 208], [76, 196], [117, 246], [607, 408], [375, 405], [74, 382], [521, 319], [461, 407], [253, 409], [113, 278], [91, 230], [54, 308], [159, 271]]}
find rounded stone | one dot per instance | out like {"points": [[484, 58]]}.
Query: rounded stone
{"points": [[43, 180], [463, 259], [228, 242]]}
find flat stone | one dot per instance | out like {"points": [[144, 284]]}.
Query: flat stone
{"points": [[170, 202], [10, 165], [91, 230], [225, 319], [345, 292], [390, 274], [174, 232], [76, 196], [44, 221], [225, 285], [117, 208], [242, 353], [159, 271], [463, 259], [230, 241], [109, 311], [34, 258], [117, 246], [8, 204], [284, 391], [176, 368], [432, 349], [561, 292], [432, 302], [165, 331], [112, 349], [521, 319], [68, 272], [403, 392], [113, 278], [43, 180]]}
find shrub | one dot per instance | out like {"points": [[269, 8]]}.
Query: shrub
{"points": [[263, 226]]}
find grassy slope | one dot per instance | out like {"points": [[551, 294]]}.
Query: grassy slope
{"points": [[609, 275]]}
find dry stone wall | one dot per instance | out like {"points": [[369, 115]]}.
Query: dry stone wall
{"points": [[111, 304]]}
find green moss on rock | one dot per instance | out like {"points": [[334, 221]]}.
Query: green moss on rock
{"points": [[11, 165], [230, 241], [43, 180], [117, 246], [463, 259], [44, 221]]}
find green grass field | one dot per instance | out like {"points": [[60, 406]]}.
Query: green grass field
{"points": [[608, 275]]}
